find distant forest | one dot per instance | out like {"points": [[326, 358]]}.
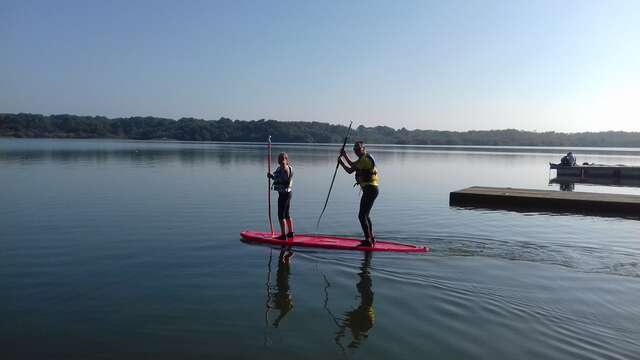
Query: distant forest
{"points": [[189, 129]]}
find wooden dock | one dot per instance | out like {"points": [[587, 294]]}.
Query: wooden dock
{"points": [[547, 200]]}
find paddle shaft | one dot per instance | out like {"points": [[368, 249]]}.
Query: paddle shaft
{"points": [[344, 143], [269, 182]]}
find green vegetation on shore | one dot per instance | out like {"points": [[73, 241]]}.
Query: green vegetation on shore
{"points": [[189, 129]]}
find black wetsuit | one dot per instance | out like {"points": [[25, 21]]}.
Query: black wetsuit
{"points": [[284, 203], [367, 178], [369, 195]]}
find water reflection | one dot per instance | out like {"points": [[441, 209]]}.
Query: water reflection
{"points": [[361, 319], [282, 300], [613, 212], [188, 157], [567, 186], [279, 297], [568, 182]]}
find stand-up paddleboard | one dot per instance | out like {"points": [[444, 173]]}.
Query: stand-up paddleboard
{"points": [[329, 242]]}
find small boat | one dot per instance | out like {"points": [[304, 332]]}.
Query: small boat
{"points": [[568, 181], [597, 171]]}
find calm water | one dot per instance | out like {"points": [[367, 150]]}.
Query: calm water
{"points": [[130, 250]]}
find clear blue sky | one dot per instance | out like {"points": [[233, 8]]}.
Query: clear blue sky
{"points": [[457, 65]]}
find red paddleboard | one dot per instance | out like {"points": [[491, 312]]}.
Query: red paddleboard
{"points": [[329, 242]]}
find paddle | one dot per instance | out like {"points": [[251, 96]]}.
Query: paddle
{"points": [[269, 182], [344, 143]]}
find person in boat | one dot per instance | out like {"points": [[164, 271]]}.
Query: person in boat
{"points": [[568, 160], [282, 181], [367, 178]]}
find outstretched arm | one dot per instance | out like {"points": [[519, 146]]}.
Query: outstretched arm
{"points": [[344, 155], [348, 169]]}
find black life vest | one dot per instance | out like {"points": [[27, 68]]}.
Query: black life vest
{"points": [[279, 184]]}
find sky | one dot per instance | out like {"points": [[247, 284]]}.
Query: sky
{"points": [[567, 66]]}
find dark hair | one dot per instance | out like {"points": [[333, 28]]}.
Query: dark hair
{"points": [[359, 142]]}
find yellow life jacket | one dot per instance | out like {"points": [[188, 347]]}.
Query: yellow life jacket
{"points": [[366, 172]]}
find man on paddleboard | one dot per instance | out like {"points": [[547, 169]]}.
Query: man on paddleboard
{"points": [[367, 178]]}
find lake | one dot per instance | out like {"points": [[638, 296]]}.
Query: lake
{"points": [[129, 249]]}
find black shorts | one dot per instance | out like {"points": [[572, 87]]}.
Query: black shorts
{"points": [[284, 203]]}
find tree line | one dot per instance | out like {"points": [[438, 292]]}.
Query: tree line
{"points": [[25, 125]]}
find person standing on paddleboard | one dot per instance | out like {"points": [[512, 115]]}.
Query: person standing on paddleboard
{"points": [[367, 178], [282, 180]]}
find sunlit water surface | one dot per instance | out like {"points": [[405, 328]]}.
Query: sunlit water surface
{"points": [[130, 250]]}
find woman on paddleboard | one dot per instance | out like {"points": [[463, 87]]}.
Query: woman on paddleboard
{"points": [[367, 178], [282, 180]]}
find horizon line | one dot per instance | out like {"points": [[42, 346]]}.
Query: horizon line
{"points": [[329, 123]]}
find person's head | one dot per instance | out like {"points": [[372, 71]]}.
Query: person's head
{"points": [[283, 159], [358, 148], [569, 153]]}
